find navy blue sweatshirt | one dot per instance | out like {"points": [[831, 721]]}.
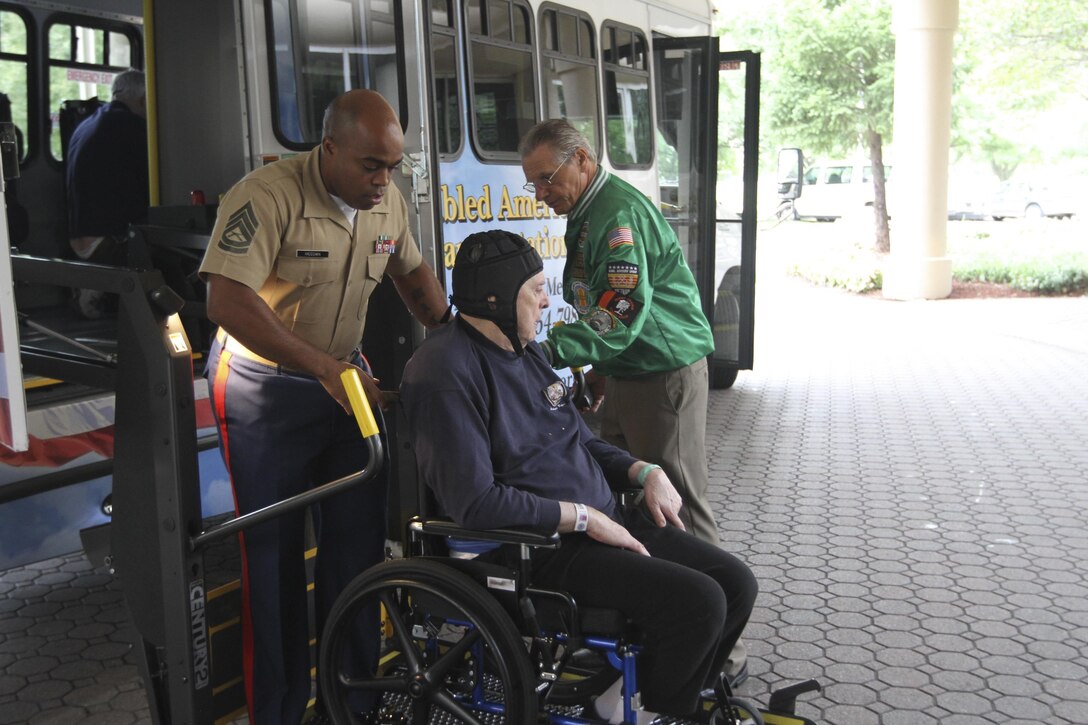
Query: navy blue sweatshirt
{"points": [[497, 438]]}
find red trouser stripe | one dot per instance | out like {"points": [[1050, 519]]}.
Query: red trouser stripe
{"points": [[222, 373]]}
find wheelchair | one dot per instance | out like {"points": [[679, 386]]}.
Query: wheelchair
{"points": [[472, 641]]}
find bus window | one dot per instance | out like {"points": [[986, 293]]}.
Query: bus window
{"points": [[83, 59], [444, 70], [501, 69], [13, 72], [628, 125], [569, 72], [326, 47]]}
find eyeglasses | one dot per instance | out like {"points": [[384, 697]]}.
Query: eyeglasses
{"points": [[531, 187]]}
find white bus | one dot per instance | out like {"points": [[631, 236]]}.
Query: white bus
{"points": [[236, 84]]}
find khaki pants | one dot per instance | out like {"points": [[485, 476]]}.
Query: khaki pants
{"points": [[661, 418]]}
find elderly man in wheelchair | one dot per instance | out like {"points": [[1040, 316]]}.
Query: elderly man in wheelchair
{"points": [[574, 607]]}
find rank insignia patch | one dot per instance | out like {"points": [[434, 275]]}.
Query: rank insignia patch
{"points": [[620, 237], [624, 308], [600, 321], [579, 292], [556, 394], [622, 276], [239, 231]]}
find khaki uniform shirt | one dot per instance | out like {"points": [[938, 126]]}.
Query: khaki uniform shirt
{"points": [[280, 233]]}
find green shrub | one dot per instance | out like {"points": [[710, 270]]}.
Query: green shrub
{"points": [[1045, 257]]}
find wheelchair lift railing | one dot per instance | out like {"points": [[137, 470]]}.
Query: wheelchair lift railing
{"points": [[157, 534]]}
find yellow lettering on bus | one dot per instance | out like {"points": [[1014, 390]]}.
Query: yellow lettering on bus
{"points": [[459, 207], [522, 207]]}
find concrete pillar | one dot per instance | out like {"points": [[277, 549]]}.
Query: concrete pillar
{"points": [[918, 267]]}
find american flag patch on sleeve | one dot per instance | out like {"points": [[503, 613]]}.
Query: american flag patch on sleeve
{"points": [[619, 237]]}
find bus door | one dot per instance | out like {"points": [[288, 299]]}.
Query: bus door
{"points": [[707, 106]]}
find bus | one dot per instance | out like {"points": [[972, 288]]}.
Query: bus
{"points": [[236, 85], [232, 86]]}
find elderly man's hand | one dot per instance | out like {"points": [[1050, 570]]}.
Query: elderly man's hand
{"points": [[661, 499], [603, 529]]}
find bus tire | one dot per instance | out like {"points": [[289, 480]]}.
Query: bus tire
{"points": [[722, 376]]}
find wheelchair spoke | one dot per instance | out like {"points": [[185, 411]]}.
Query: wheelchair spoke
{"points": [[421, 713], [403, 633], [443, 698], [448, 648], [384, 684], [437, 672]]}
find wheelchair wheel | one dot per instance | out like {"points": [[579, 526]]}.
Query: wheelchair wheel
{"points": [[447, 649]]}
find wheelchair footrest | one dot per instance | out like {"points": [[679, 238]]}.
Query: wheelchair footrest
{"points": [[785, 699]]}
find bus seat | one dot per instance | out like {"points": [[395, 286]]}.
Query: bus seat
{"points": [[73, 113]]}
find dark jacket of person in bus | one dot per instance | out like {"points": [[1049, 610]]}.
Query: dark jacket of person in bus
{"points": [[640, 323], [106, 170]]}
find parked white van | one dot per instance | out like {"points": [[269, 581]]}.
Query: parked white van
{"points": [[833, 189]]}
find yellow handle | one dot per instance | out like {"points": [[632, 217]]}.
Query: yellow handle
{"points": [[364, 416]]}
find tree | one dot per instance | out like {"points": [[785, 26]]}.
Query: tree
{"points": [[830, 83], [836, 84], [1013, 62]]}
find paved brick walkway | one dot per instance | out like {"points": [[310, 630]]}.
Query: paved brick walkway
{"points": [[907, 480]]}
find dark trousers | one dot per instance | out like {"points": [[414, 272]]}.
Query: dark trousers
{"points": [[689, 600], [281, 434]]}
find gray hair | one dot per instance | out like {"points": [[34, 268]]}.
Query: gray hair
{"points": [[128, 86], [563, 138]]}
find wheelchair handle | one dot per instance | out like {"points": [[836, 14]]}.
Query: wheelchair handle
{"points": [[580, 393]]}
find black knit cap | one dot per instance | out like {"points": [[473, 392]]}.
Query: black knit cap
{"points": [[495, 264]]}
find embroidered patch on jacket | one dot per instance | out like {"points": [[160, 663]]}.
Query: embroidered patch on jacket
{"points": [[556, 394], [624, 308], [620, 237], [580, 296], [600, 321], [239, 231], [622, 276]]}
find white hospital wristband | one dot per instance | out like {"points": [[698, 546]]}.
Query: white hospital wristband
{"points": [[581, 517]]}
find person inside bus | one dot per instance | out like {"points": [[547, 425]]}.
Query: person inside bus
{"points": [[106, 176], [297, 249], [640, 318], [500, 443]]}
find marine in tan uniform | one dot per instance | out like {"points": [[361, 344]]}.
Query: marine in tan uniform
{"points": [[297, 250]]}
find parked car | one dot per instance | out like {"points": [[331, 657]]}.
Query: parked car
{"points": [[969, 199], [1033, 201]]}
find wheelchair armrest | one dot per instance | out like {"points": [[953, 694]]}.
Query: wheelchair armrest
{"points": [[445, 527], [630, 496]]}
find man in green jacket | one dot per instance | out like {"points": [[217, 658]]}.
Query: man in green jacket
{"points": [[640, 322]]}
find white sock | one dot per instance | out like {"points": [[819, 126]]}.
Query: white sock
{"points": [[609, 705]]}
